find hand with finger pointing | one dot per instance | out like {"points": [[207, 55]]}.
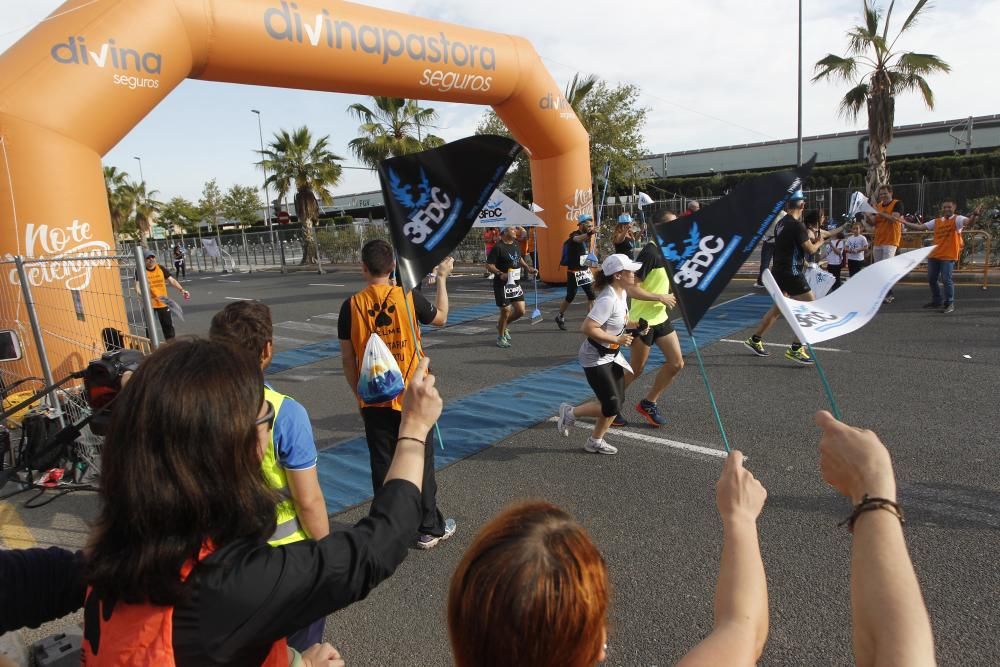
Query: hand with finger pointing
{"points": [[738, 494]]}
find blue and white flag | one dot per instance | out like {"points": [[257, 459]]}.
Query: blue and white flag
{"points": [[850, 307], [433, 198]]}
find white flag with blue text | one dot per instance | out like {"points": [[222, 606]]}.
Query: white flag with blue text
{"points": [[850, 307]]}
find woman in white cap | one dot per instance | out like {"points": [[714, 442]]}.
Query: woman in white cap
{"points": [[607, 330], [623, 238]]}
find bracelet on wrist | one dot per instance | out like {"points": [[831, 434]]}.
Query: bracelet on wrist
{"points": [[868, 504], [422, 441]]}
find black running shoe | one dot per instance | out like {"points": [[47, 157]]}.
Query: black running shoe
{"points": [[561, 321]]}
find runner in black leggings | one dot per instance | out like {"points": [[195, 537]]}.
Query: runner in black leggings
{"points": [[606, 331]]}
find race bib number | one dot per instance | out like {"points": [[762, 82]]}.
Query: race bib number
{"points": [[584, 277], [513, 275], [512, 291]]}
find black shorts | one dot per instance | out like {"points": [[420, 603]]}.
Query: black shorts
{"points": [[571, 287], [792, 284], [608, 383], [500, 295], [660, 330]]}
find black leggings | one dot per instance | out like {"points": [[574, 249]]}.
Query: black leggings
{"points": [[588, 289], [608, 383]]}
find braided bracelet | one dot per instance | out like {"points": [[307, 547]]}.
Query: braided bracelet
{"points": [[406, 437], [869, 504]]}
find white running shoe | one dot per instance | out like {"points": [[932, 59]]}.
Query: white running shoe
{"points": [[599, 447], [566, 419]]}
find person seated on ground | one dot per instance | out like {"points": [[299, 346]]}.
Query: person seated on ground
{"points": [[289, 461], [891, 625], [178, 565], [533, 590]]}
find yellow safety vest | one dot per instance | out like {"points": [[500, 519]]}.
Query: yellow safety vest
{"points": [[289, 529]]}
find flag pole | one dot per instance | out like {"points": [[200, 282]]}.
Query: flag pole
{"points": [[410, 318], [826, 384], [701, 362]]}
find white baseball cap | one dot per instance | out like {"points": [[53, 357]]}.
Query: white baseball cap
{"points": [[615, 263]]}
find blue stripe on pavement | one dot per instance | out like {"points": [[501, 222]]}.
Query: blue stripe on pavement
{"points": [[344, 471], [327, 349]]}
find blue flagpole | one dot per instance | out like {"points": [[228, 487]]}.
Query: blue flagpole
{"points": [[419, 347], [708, 387], [826, 384]]}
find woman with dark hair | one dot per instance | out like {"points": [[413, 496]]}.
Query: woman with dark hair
{"points": [[179, 569], [533, 590], [605, 328]]}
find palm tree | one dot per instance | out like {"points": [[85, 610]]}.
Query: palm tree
{"points": [[146, 208], [295, 160], [391, 129], [884, 74], [578, 89], [121, 198]]}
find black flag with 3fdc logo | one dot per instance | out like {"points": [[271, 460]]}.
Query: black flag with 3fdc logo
{"points": [[433, 198], [704, 250]]}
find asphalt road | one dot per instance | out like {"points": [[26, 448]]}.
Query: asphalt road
{"points": [[925, 382]]}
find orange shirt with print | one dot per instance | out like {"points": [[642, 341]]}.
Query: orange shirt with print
{"points": [[887, 232], [385, 310], [947, 238]]}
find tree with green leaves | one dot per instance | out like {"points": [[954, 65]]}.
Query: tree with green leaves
{"points": [[517, 181], [880, 73], [146, 209], [242, 205], [210, 206], [180, 214], [613, 119], [394, 126], [121, 198], [295, 160]]}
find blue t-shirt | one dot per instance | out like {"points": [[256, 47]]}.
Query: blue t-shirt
{"points": [[295, 448]]}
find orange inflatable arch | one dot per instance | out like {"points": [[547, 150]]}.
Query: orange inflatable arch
{"points": [[77, 83]]}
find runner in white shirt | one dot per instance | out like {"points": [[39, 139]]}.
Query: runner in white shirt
{"points": [[606, 328]]}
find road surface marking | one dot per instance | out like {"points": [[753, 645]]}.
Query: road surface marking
{"points": [[13, 532], [325, 285], [308, 326], [815, 347], [327, 316], [708, 451]]}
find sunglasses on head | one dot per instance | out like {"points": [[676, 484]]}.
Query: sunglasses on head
{"points": [[267, 417]]}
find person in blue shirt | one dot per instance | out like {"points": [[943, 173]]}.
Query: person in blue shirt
{"points": [[289, 461]]}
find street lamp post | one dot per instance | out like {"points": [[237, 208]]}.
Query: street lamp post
{"points": [[267, 197], [799, 143], [141, 177]]}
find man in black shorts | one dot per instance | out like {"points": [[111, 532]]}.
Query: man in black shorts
{"points": [[792, 243], [578, 274], [506, 262]]}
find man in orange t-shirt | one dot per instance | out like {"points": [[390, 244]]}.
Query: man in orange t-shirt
{"points": [[941, 263], [888, 228]]}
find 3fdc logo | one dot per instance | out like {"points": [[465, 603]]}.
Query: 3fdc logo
{"points": [[701, 259], [492, 211], [431, 211]]}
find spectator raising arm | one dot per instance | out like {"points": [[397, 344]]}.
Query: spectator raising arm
{"points": [[891, 626], [741, 592]]}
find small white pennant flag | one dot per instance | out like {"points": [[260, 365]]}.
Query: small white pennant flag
{"points": [[859, 204], [850, 307], [644, 199]]}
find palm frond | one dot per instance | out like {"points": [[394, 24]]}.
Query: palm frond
{"points": [[835, 67], [911, 20], [872, 16], [888, 16], [854, 101], [921, 64]]}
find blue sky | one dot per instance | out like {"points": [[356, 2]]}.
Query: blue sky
{"points": [[712, 73]]}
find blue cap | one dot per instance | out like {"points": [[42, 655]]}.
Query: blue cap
{"points": [[798, 195], [584, 217], [148, 253], [624, 219]]}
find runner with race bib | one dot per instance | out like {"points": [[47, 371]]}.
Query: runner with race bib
{"points": [[507, 264], [578, 275]]}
